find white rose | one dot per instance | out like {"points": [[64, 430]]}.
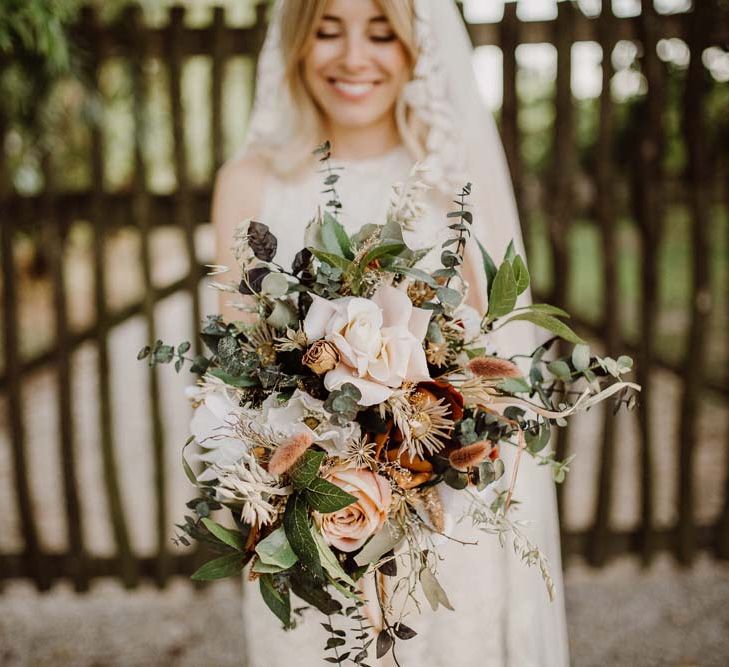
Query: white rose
{"points": [[212, 425], [380, 341]]}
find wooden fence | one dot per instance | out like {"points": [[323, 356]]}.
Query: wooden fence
{"points": [[53, 211]]}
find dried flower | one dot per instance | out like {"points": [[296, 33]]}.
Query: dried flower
{"points": [[360, 453], [248, 484], [287, 454], [420, 292], [437, 353], [470, 455], [493, 368], [321, 357], [293, 340]]}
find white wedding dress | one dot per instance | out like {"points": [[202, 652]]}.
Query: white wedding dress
{"points": [[502, 613]]}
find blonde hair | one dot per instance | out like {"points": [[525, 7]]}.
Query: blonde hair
{"points": [[298, 23]]}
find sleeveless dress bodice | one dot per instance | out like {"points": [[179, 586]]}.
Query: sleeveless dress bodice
{"points": [[502, 616]]}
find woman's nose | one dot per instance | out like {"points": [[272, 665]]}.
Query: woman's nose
{"points": [[355, 52]]}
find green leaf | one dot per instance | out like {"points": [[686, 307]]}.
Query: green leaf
{"points": [[488, 266], [225, 535], [306, 468], [551, 324], [510, 252], [276, 550], [449, 297], [274, 285], [335, 238], [560, 369], [502, 297], [383, 250], [220, 568], [279, 603], [325, 497], [515, 386], [186, 466], [387, 538], [144, 352], [240, 382], [264, 568], [331, 259], [434, 592], [329, 560], [418, 274], [521, 274], [547, 309], [537, 442], [581, 357], [298, 532]]}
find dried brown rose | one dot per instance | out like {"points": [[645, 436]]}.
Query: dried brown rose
{"points": [[321, 357]]}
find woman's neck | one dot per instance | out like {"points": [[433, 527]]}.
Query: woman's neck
{"points": [[357, 143]]}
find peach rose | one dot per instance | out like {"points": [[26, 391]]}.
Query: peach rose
{"points": [[348, 529]]}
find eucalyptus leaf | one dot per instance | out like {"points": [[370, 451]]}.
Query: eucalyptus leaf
{"points": [[581, 357], [276, 550], [387, 538], [515, 386], [560, 369], [434, 593], [275, 285], [332, 259]]}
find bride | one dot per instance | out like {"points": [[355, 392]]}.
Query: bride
{"points": [[389, 83]]}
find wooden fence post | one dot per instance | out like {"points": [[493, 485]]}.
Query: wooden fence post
{"points": [[140, 206], [697, 176], [117, 515], [562, 182], [649, 214], [56, 236], [598, 544], [183, 208]]}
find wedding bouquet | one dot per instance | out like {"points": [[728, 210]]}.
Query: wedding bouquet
{"points": [[336, 427]]}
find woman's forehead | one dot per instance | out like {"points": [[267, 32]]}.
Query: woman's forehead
{"points": [[354, 10]]}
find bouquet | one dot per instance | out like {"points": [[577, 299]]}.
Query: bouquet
{"points": [[334, 428]]}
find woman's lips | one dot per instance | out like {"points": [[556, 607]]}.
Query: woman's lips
{"points": [[353, 90]]}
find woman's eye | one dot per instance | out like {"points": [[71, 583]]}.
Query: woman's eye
{"points": [[384, 38], [321, 34]]}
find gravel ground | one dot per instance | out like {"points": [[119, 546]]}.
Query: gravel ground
{"points": [[620, 615]]}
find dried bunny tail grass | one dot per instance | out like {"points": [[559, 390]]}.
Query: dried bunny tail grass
{"points": [[470, 455], [493, 367], [287, 454]]}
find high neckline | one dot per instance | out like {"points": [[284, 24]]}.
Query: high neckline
{"points": [[387, 156]]}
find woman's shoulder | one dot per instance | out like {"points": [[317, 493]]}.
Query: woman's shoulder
{"points": [[240, 184]]}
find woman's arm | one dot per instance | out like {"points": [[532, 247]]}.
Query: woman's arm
{"points": [[237, 196]]}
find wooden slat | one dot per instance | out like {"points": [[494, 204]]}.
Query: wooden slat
{"points": [[55, 234], [509, 109], [216, 86], [141, 215], [598, 545], [722, 542], [648, 196], [182, 208], [15, 411], [125, 558], [695, 138], [195, 41], [562, 175]]}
